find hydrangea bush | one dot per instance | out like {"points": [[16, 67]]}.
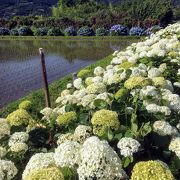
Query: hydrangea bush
{"points": [[25, 31], [117, 122], [70, 31], [118, 30], [102, 32], [85, 31], [55, 32], [4, 31], [14, 32], [41, 31], [136, 31]]}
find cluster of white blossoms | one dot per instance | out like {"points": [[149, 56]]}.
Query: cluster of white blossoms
{"points": [[163, 128], [174, 146], [39, 161], [154, 108], [48, 113], [4, 128], [17, 142], [99, 161], [173, 100], [7, 170], [81, 133], [67, 154], [128, 146]]}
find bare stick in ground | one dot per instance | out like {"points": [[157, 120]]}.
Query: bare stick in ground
{"points": [[44, 75]]}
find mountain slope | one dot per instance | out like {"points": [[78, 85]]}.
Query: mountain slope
{"points": [[9, 8]]}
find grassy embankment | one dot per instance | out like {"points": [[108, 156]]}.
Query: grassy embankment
{"points": [[80, 38]]}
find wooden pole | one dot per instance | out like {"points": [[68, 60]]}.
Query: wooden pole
{"points": [[44, 76]]}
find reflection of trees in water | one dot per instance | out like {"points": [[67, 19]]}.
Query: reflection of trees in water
{"points": [[70, 50]]}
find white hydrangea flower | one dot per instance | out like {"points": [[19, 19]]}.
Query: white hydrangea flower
{"points": [[109, 67], [163, 128], [80, 94], [65, 137], [128, 146], [169, 86], [4, 128], [69, 85], [89, 81], [129, 110], [123, 75], [38, 161], [177, 84], [162, 67], [107, 97], [174, 146], [154, 72], [166, 110], [97, 79], [172, 99], [7, 170], [18, 137], [149, 91], [98, 71], [96, 88], [87, 101], [178, 126], [77, 83], [82, 132], [47, 112], [67, 154], [114, 79], [154, 108], [136, 71], [19, 147], [65, 92], [178, 73], [61, 110], [3, 152], [133, 59], [100, 161]]}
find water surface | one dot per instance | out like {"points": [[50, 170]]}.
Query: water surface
{"points": [[20, 69]]}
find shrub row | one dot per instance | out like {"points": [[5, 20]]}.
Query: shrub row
{"points": [[116, 30]]}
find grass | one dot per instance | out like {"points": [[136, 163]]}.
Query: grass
{"points": [[113, 38], [37, 97]]}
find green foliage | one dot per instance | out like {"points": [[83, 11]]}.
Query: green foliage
{"points": [[54, 32], [102, 32]]}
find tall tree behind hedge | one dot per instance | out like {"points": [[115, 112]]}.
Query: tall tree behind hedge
{"points": [[140, 10]]}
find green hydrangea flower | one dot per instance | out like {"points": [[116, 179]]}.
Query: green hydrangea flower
{"points": [[66, 118], [51, 173], [121, 94], [159, 81], [26, 105], [151, 170], [89, 81], [84, 73], [137, 81], [19, 117], [103, 120], [96, 88], [126, 65]]}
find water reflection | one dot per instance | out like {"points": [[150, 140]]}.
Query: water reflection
{"points": [[20, 67]]}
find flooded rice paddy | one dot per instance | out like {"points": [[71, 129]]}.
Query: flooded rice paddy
{"points": [[20, 69]]}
